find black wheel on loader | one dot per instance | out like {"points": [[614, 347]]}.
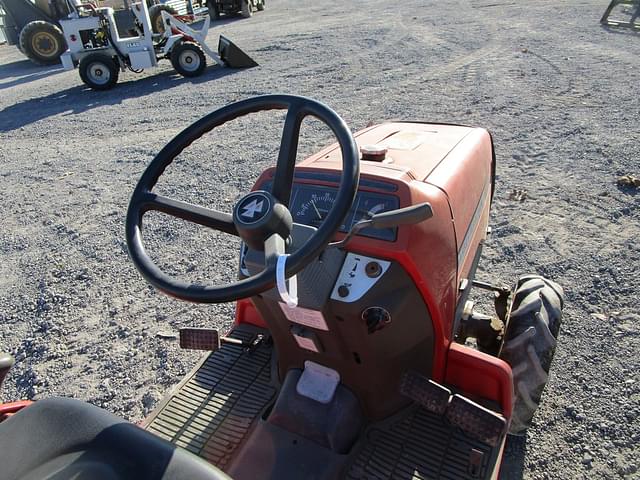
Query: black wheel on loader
{"points": [[530, 342], [247, 8], [42, 42], [155, 15], [99, 71], [188, 59], [260, 5], [214, 11]]}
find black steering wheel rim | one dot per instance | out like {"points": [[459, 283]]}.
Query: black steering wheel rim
{"points": [[144, 200]]}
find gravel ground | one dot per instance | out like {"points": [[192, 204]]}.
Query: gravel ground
{"points": [[557, 91]]}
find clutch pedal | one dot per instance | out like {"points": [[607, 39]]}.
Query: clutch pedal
{"points": [[209, 339], [476, 421], [199, 339]]}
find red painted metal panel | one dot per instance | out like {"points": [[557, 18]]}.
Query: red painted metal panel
{"points": [[445, 165], [247, 313], [8, 409], [465, 176], [480, 375]]}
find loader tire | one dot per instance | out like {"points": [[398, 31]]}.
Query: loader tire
{"points": [[188, 59], [155, 15], [247, 8], [214, 11], [260, 5], [42, 42], [530, 342], [99, 71]]}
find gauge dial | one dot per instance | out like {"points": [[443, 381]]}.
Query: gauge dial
{"points": [[367, 205], [313, 206], [310, 205]]}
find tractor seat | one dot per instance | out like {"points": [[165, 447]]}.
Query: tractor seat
{"points": [[61, 438]]}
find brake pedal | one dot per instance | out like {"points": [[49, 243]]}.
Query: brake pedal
{"points": [[199, 339], [473, 419], [431, 395], [476, 421]]}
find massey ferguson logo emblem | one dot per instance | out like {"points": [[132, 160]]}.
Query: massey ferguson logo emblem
{"points": [[255, 207]]}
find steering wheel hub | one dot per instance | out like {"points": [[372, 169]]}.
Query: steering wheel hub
{"points": [[258, 215]]}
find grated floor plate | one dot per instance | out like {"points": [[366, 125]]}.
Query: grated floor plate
{"points": [[419, 445], [211, 413]]}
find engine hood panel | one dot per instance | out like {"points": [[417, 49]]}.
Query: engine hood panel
{"points": [[414, 149]]}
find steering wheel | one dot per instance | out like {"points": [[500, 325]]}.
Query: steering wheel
{"points": [[261, 219]]}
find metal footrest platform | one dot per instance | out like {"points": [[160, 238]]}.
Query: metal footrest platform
{"points": [[419, 444], [213, 410]]}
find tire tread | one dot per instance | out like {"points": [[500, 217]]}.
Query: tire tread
{"points": [[24, 41], [530, 342]]}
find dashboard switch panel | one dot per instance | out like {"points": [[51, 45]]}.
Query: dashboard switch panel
{"points": [[354, 278]]}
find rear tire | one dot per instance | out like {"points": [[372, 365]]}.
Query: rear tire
{"points": [[247, 8], [42, 42], [99, 71], [260, 5], [155, 15], [188, 59], [530, 342]]}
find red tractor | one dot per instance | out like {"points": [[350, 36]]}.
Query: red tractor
{"points": [[350, 356]]}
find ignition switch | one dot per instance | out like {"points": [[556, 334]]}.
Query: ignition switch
{"points": [[376, 318]]}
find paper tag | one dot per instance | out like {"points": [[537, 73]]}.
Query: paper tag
{"points": [[318, 382], [305, 316], [290, 297]]}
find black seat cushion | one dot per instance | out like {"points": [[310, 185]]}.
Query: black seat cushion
{"points": [[61, 438]]}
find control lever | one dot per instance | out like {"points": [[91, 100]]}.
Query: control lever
{"points": [[394, 218]]}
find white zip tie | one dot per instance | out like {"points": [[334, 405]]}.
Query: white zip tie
{"points": [[290, 297]]}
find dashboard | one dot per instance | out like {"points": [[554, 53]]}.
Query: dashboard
{"points": [[310, 204]]}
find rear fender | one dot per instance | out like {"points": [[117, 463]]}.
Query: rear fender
{"points": [[480, 376], [8, 409]]}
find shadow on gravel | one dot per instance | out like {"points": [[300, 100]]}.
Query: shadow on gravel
{"points": [[632, 191], [515, 450], [24, 71], [80, 99], [621, 30]]}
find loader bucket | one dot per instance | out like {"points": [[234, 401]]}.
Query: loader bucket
{"points": [[233, 56]]}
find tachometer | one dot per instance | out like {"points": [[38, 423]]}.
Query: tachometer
{"points": [[312, 206]]}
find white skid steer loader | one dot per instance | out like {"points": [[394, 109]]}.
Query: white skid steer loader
{"points": [[97, 49]]}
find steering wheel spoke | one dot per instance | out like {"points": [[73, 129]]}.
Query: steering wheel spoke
{"points": [[287, 155], [187, 211]]}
